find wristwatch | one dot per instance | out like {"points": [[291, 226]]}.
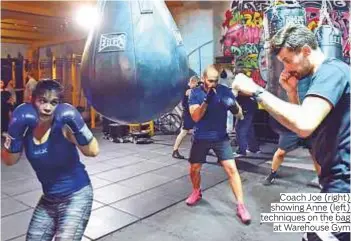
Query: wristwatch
{"points": [[257, 93]]}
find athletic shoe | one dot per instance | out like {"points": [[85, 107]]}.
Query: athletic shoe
{"points": [[270, 178], [211, 153], [315, 183], [243, 214], [253, 152], [194, 197], [236, 155], [177, 155]]}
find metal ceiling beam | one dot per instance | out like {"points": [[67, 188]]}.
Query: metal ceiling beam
{"points": [[23, 34], [16, 41], [58, 40], [30, 28], [41, 8]]}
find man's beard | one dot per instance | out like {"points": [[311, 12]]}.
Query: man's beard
{"points": [[300, 75], [208, 86]]}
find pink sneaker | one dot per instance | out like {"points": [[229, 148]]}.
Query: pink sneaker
{"points": [[243, 214], [194, 197]]}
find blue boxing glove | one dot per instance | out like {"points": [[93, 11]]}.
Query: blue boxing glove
{"points": [[67, 114], [231, 105], [210, 96], [24, 116]]}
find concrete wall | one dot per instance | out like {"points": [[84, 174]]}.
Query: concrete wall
{"points": [[199, 23], [195, 22]]}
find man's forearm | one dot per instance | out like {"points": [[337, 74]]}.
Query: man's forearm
{"points": [[234, 109], [288, 114], [199, 112], [293, 97]]}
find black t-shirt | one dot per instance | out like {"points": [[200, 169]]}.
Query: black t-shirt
{"points": [[331, 140], [185, 104], [5, 109]]}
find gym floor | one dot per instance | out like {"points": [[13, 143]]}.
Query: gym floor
{"points": [[139, 193]]}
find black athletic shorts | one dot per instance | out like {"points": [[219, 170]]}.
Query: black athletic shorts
{"points": [[290, 141], [200, 148]]}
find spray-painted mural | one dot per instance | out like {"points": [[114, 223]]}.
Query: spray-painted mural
{"points": [[243, 31]]}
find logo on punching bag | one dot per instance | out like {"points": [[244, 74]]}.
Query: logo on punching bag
{"points": [[112, 42], [178, 37], [295, 20]]}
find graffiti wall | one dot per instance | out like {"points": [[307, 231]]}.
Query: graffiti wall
{"points": [[243, 31]]}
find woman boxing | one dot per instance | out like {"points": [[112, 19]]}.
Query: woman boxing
{"points": [[50, 132]]}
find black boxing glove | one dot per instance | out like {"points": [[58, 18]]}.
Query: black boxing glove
{"points": [[224, 74], [210, 95]]}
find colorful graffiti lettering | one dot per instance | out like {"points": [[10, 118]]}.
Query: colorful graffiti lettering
{"points": [[245, 50], [242, 39], [258, 5], [243, 30], [262, 5]]}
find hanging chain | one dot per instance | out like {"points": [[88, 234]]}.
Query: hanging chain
{"points": [[323, 14], [273, 5]]}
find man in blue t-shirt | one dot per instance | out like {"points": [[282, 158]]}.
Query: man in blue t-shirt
{"points": [[323, 116], [208, 106]]}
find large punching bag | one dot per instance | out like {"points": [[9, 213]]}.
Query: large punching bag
{"points": [[134, 65], [275, 18]]}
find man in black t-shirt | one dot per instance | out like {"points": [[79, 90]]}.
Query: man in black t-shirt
{"points": [[6, 109], [188, 123]]}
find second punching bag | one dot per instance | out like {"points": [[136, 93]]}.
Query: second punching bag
{"points": [[329, 40], [134, 65]]}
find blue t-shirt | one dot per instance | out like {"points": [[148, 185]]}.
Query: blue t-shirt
{"points": [[331, 140], [212, 126], [56, 163], [302, 87]]}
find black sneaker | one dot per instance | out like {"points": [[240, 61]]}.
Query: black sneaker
{"points": [[270, 178], [177, 155]]}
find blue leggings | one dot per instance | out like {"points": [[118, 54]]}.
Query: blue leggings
{"points": [[65, 218]]}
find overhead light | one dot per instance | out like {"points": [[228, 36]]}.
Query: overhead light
{"points": [[87, 17]]}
